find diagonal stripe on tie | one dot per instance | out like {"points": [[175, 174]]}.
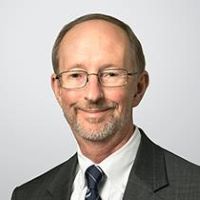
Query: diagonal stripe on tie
{"points": [[93, 177]]}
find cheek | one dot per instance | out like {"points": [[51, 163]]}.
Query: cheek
{"points": [[114, 94], [69, 98], [121, 97]]}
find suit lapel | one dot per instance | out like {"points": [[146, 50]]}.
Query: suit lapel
{"points": [[147, 177], [148, 174], [61, 186]]}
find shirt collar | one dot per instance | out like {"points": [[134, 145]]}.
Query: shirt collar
{"points": [[115, 166], [122, 160]]}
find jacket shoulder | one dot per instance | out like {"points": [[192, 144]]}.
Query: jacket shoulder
{"points": [[182, 169], [170, 176], [37, 186]]}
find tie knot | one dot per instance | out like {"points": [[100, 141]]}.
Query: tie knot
{"points": [[93, 176]]}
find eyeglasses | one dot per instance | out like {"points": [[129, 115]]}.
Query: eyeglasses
{"points": [[76, 79]]}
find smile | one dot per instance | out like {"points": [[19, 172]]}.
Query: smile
{"points": [[94, 113]]}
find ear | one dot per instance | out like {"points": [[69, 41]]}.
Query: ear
{"points": [[55, 85], [141, 86]]}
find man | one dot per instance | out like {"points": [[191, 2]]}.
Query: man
{"points": [[99, 76]]}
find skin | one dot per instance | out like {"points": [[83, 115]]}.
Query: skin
{"points": [[92, 46]]}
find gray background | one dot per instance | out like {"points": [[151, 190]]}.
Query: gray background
{"points": [[34, 134]]}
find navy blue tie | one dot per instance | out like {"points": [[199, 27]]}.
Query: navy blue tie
{"points": [[93, 177]]}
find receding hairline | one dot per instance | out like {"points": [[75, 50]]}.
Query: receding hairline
{"points": [[134, 44], [121, 30], [96, 25]]}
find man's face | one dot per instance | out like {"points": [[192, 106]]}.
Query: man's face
{"points": [[94, 112]]}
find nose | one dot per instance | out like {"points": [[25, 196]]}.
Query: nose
{"points": [[94, 90]]}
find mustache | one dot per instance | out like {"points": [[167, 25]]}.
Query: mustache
{"points": [[96, 105]]}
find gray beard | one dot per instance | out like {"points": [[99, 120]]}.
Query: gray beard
{"points": [[103, 129], [108, 129]]}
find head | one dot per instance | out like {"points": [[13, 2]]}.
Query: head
{"points": [[94, 44], [136, 52]]}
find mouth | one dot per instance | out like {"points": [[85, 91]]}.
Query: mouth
{"points": [[95, 113]]}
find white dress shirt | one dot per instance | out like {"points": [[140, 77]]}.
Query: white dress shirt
{"points": [[116, 167]]}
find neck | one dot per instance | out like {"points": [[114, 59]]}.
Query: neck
{"points": [[98, 151]]}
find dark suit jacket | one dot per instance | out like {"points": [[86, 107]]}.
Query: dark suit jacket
{"points": [[156, 175]]}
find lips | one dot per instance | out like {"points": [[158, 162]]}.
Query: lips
{"points": [[94, 113], [94, 110]]}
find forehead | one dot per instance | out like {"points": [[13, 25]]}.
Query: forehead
{"points": [[92, 38], [95, 28]]}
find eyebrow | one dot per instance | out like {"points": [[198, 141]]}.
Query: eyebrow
{"points": [[76, 66], [101, 67]]}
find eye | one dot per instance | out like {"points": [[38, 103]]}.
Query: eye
{"points": [[110, 74], [75, 75]]}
